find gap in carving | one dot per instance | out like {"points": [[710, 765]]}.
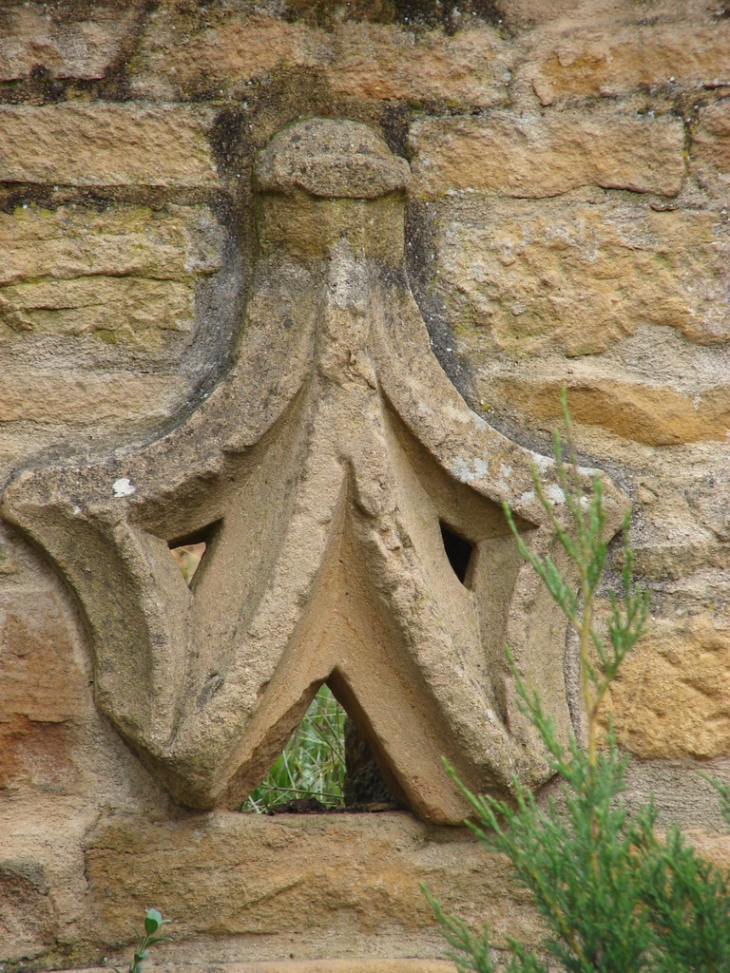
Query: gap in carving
{"points": [[188, 550], [458, 550], [309, 775], [188, 558], [326, 765]]}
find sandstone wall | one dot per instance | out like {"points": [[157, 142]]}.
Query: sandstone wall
{"points": [[568, 224]]}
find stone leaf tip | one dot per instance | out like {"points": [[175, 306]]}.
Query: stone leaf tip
{"points": [[332, 158]]}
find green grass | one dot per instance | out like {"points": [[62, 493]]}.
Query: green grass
{"points": [[312, 763]]}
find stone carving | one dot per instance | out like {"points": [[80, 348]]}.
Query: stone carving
{"points": [[323, 473]]}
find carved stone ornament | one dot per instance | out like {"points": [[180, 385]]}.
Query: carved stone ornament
{"points": [[321, 472]]}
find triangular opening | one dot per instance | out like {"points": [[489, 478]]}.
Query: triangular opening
{"points": [[327, 765], [309, 775], [458, 550], [188, 550]]}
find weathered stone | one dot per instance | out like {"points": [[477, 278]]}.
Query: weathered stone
{"points": [[346, 161], [653, 414], [575, 277], [346, 874], [122, 240], [543, 155], [226, 50], [112, 309], [322, 481], [32, 39], [42, 693], [710, 150], [672, 696], [175, 61], [388, 63], [127, 275], [604, 62], [78, 399], [106, 145]]}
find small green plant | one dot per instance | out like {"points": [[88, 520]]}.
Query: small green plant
{"points": [[153, 922], [313, 762], [613, 896]]}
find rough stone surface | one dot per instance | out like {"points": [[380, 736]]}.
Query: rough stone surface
{"points": [[536, 155], [344, 555], [227, 49], [84, 46], [106, 145], [566, 222], [263, 871], [604, 62], [127, 276], [673, 696], [576, 277]]}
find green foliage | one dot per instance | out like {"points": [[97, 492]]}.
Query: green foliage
{"points": [[614, 896], [313, 761], [153, 922]]}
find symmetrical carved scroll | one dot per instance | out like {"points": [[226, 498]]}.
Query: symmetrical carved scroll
{"points": [[321, 472]]}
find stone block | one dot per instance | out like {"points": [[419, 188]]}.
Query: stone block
{"points": [[81, 399], [43, 694], [388, 63], [606, 62], [710, 149], [77, 241], [629, 407], [109, 308], [543, 155], [224, 51], [81, 45], [104, 144], [126, 275], [306, 875], [672, 696], [574, 277]]}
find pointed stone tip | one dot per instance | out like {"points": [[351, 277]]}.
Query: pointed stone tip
{"points": [[333, 158]]}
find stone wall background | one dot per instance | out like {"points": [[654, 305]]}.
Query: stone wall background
{"points": [[568, 224]]}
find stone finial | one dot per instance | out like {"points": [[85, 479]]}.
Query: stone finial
{"points": [[351, 505], [325, 157]]}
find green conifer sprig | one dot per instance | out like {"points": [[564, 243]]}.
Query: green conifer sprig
{"points": [[614, 896]]}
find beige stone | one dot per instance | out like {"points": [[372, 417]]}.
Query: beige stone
{"points": [[672, 696], [226, 50], [388, 63], [77, 241], [543, 155], [574, 277], [70, 47], [321, 475], [105, 144], [635, 409], [81, 399], [109, 308], [604, 62], [336, 875], [710, 149], [126, 276]]}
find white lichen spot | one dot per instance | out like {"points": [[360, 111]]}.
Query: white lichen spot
{"points": [[478, 421], [123, 488], [527, 497], [467, 471], [554, 494], [543, 463]]}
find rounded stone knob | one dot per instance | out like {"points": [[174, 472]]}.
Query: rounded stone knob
{"points": [[331, 158]]}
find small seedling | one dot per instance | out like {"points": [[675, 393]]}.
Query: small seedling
{"points": [[153, 922]]}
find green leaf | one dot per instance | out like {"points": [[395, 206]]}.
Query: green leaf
{"points": [[152, 921]]}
